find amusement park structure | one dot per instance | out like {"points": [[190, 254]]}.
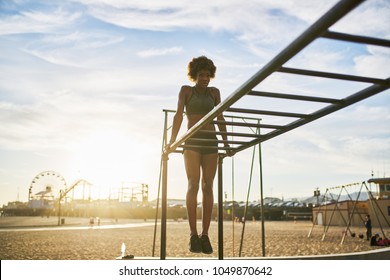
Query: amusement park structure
{"points": [[49, 195]]}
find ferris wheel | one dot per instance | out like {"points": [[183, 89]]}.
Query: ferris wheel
{"points": [[47, 183]]}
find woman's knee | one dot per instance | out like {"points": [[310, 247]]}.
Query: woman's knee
{"points": [[207, 187], [193, 186]]}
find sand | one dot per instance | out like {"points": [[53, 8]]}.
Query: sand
{"points": [[36, 238]]}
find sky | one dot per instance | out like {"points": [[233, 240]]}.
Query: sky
{"points": [[83, 85]]}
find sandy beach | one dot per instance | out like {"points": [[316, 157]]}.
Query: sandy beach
{"points": [[37, 238]]}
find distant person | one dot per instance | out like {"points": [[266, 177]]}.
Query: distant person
{"points": [[374, 240], [199, 100], [383, 242], [368, 226]]}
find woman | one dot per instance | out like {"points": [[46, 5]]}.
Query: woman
{"points": [[198, 101]]}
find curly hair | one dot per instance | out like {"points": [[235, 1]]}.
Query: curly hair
{"points": [[200, 63]]}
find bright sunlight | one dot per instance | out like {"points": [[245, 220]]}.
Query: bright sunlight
{"points": [[108, 159]]}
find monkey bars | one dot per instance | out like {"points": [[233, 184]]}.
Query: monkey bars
{"points": [[291, 120]]}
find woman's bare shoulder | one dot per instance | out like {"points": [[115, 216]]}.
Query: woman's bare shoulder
{"points": [[185, 89], [215, 94], [214, 91], [185, 92]]}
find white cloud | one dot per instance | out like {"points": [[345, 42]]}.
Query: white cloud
{"points": [[35, 21], [75, 49], [159, 52], [82, 40], [371, 18], [374, 63], [254, 23]]}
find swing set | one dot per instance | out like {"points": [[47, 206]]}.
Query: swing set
{"points": [[349, 215]]}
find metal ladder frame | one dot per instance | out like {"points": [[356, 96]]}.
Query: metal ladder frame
{"points": [[319, 29]]}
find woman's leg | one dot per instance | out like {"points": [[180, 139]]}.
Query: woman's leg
{"points": [[209, 168], [192, 166]]}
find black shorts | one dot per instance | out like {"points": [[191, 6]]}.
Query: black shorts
{"points": [[207, 146]]}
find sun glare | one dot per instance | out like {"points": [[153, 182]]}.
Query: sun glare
{"points": [[107, 159]]}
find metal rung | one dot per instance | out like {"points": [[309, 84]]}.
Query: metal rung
{"points": [[332, 75], [239, 134], [232, 142], [294, 97], [227, 133], [207, 147], [356, 39], [258, 125], [218, 141], [181, 151], [203, 140], [352, 99], [272, 113], [198, 146]]}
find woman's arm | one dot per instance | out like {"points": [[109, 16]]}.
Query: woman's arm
{"points": [[178, 117], [221, 127]]}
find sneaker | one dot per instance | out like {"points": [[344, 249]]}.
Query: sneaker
{"points": [[195, 245], [206, 245]]}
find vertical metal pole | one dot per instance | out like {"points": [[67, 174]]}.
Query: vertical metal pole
{"points": [[159, 179], [220, 208], [163, 244], [233, 202], [261, 202], [246, 204], [233, 214]]}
